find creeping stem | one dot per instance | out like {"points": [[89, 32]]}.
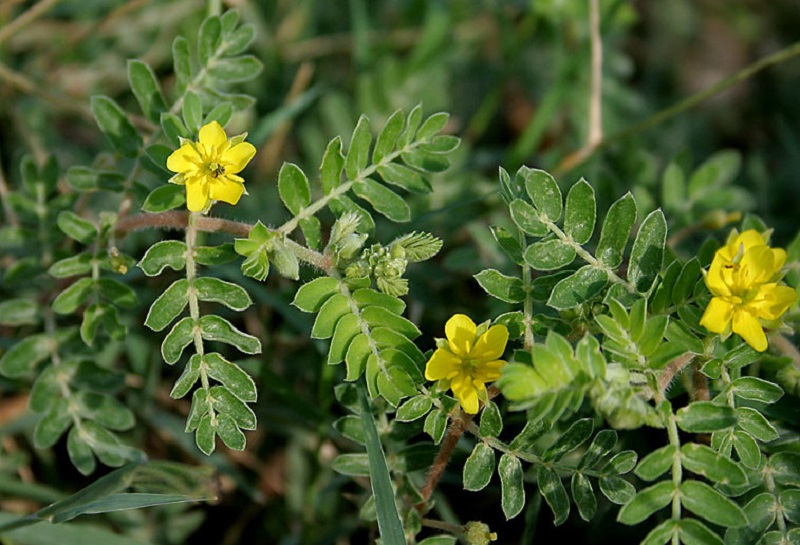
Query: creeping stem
{"points": [[180, 220], [458, 425]]}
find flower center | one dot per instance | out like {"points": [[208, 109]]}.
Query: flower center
{"points": [[470, 365], [216, 170]]}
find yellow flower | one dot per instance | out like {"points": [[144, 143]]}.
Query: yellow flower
{"points": [[466, 361], [743, 279], [209, 168]]}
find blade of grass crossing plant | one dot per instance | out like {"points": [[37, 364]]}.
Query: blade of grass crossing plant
{"points": [[389, 525], [73, 506], [63, 534]]}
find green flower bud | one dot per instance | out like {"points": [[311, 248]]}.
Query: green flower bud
{"points": [[345, 226], [397, 252], [717, 219], [359, 269], [118, 262], [285, 261], [477, 533], [349, 246], [376, 254]]}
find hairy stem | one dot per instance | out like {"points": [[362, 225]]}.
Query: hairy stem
{"points": [[699, 385], [586, 256], [769, 481], [527, 305], [343, 188], [441, 525], [677, 470], [458, 426], [180, 220], [194, 306], [671, 371], [671, 424]]}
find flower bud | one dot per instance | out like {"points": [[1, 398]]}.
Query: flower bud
{"points": [[285, 261], [346, 225], [477, 533], [349, 246], [397, 251], [359, 269]]}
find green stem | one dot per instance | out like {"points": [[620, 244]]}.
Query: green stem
{"points": [[677, 468], [362, 324], [50, 328], [319, 204], [41, 216], [726, 379], [769, 481], [529, 457], [527, 304], [586, 256], [456, 529], [343, 188], [194, 307], [214, 8]]}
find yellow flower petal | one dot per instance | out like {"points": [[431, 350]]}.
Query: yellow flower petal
{"points": [[757, 266], [772, 301], [717, 316], [489, 371], [491, 345], [778, 258], [748, 326], [196, 194], [715, 279], [442, 365], [226, 190], [237, 157], [743, 241], [184, 159], [466, 393], [213, 138], [209, 168], [460, 331]]}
